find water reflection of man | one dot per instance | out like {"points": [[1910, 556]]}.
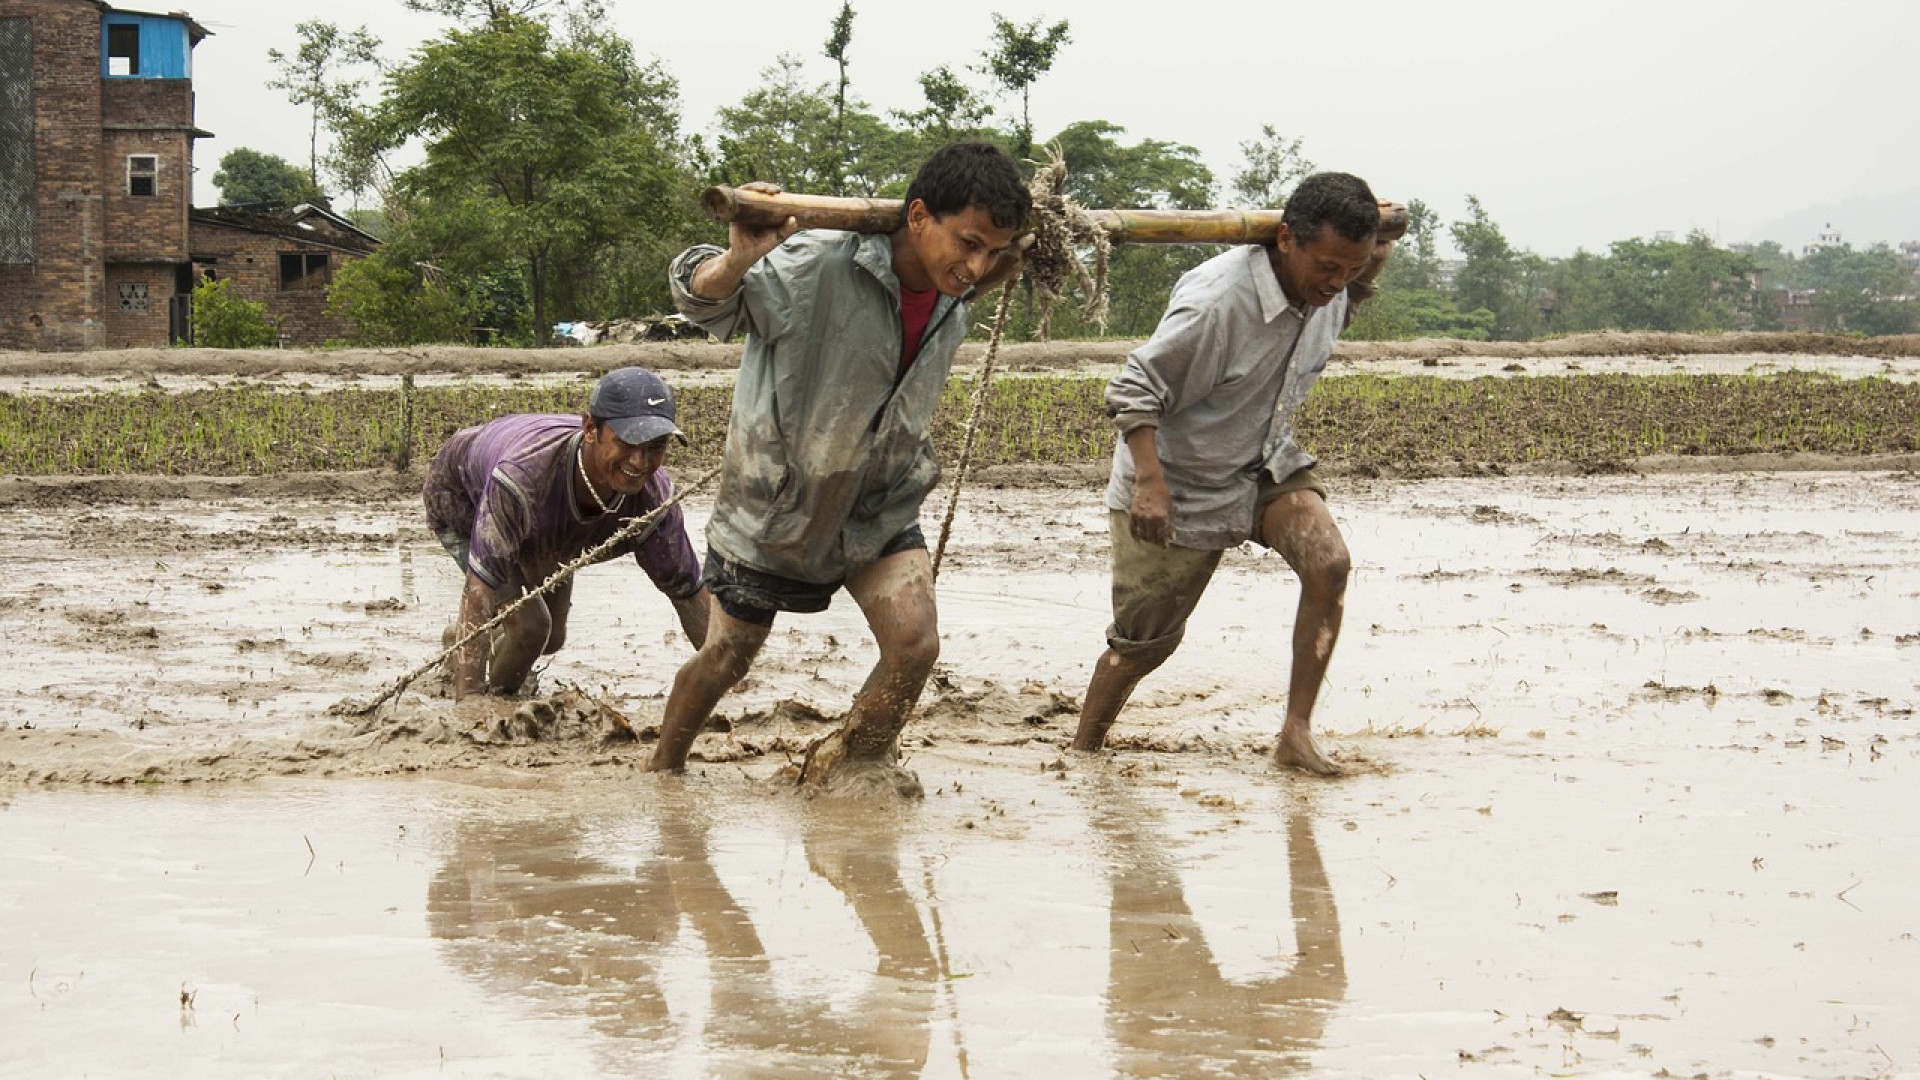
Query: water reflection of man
{"points": [[530, 908], [1169, 1009]]}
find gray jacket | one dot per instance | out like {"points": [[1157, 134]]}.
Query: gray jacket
{"points": [[828, 455], [1222, 376]]}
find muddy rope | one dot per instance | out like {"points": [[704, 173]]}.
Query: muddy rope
{"points": [[351, 707], [1060, 229]]}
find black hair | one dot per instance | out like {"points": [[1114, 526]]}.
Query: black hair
{"points": [[1339, 199], [964, 174]]}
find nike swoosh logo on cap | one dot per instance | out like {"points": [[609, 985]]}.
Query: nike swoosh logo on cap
{"points": [[655, 400]]}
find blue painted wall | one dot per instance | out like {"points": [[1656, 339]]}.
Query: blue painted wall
{"points": [[164, 49]]}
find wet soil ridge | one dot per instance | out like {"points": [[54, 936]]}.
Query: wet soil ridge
{"points": [[693, 356], [1368, 423], [568, 726]]}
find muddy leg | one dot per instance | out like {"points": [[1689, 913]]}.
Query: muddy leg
{"points": [[722, 661], [1299, 527], [519, 642], [1115, 676], [896, 595]]}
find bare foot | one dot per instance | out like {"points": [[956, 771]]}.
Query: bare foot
{"points": [[1297, 750]]}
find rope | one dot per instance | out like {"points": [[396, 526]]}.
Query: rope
{"points": [[973, 424], [591, 555], [1060, 228]]}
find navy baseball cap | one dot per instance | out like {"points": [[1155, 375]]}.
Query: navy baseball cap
{"points": [[636, 405]]}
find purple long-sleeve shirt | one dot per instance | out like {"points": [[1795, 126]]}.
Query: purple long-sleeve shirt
{"points": [[506, 488]]}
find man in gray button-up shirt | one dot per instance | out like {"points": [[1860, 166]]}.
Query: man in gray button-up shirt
{"points": [[1206, 457]]}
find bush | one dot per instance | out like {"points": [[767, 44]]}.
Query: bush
{"points": [[222, 320], [391, 304]]}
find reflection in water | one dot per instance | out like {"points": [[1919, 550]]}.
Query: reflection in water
{"points": [[535, 910], [740, 970], [1169, 1006]]}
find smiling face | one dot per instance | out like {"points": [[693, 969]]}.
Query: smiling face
{"points": [[616, 466], [1315, 272], [950, 252]]}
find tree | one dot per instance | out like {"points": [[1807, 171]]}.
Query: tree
{"points": [[784, 131], [1273, 165], [311, 77], [837, 43], [478, 12], [1495, 276], [536, 154], [1016, 58], [1668, 285], [248, 176], [1411, 303], [953, 110], [1416, 256], [1862, 292]]}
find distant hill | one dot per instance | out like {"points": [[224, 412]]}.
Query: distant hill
{"points": [[1861, 222]]}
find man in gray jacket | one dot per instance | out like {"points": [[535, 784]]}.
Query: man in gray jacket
{"points": [[1206, 457], [850, 338]]}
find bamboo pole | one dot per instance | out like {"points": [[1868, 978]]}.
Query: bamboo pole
{"points": [[764, 210]]}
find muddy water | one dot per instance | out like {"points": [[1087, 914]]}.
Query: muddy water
{"points": [[1632, 788]]}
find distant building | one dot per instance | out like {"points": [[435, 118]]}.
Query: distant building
{"points": [[100, 246], [96, 174], [283, 257], [1827, 237]]}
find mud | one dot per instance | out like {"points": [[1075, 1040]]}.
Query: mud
{"points": [[134, 368], [1631, 791]]}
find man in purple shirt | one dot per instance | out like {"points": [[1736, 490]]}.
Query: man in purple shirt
{"points": [[514, 499]]}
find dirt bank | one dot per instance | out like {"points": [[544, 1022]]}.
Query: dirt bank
{"points": [[1025, 356]]}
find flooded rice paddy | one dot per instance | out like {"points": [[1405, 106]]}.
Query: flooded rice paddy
{"points": [[1631, 791]]}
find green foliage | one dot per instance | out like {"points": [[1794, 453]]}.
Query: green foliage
{"points": [[1856, 290], [953, 111], [390, 303], [248, 176], [1273, 165], [1016, 58], [222, 320], [540, 152], [312, 77], [838, 43], [1409, 314]]}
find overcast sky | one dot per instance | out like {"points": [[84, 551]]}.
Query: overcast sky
{"points": [[1576, 122]]}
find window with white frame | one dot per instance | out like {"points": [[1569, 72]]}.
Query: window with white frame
{"points": [[143, 175]]}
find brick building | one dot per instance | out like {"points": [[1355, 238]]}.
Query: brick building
{"points": [[96, 174], [283, 257]]}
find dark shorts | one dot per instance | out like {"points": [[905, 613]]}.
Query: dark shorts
{"points": [[756, 596]]}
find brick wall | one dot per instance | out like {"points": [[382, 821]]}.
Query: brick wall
{"points": [[56, 303], [139, 226], [137, 296], [251, 261]]}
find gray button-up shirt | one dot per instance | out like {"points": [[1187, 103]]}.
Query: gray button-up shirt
{"points": [[1221, 378]]}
